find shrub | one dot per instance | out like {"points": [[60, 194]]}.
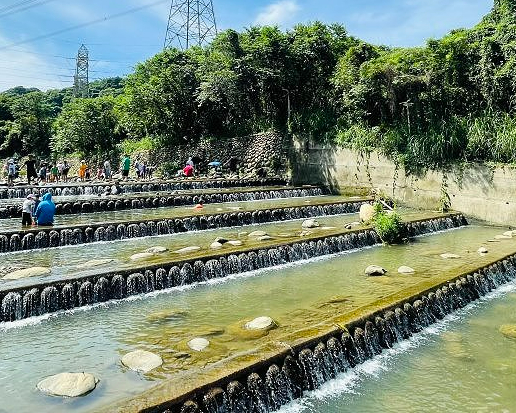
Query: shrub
{"points": [[389, 227]]}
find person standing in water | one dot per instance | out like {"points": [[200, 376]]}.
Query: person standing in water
{"points": [[27, 210], [126, 165], [45, 211]]}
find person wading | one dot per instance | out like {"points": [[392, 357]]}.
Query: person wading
{"points": [[45, 211]]}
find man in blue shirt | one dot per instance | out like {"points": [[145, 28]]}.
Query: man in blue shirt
{"points": [[45, 211]]}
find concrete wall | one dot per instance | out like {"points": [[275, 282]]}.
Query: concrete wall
{"points": [[481, 191]]}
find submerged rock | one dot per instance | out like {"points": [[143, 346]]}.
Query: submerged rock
{"points": [[68, 384], [352, 225], [27, 272], [406, 270], [95, 263], [261, 323], [509, 234], [450, 256], [310, 223], [156, 250], [508, 330], [166, 315], [235, 243], [198, 344], [375, 270], [264, 238], [141, 361], [256, 234], [215, 245], [482, 250], [187, 250], [366, 212], [503, 237], [141, 256]]}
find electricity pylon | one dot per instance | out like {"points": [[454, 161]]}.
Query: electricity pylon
{"points": [[81, 87]]}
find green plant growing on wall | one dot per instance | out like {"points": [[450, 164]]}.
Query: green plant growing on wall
{"points": [[388, 225], [444, 201]]}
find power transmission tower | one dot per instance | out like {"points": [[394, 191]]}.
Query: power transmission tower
{"points": [[80, 80], [190, 23]]}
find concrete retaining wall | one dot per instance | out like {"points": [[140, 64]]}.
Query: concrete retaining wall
{"points": [[478, 190]]}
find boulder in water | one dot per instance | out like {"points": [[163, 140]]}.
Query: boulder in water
{"points": [[509, 234], [375, 271], [141, 361], [215, 245], [94, 263], [310, 223], [27, 272], [508, 330], [221, 240], [366, 213], [198, 344], [256, 234], [263, 323], [188, 250], [68, 384], [406, 270], [449, 256], [482, 250], [141, 256], [156, 250]]}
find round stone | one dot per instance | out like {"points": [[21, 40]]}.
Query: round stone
{"points": [[141, 256], [366, 212], [198, 344], [68, 384], [235, 243], [27, 272], [215, 245], [94, 263], [260, 323], [375, 270], [257, 234], [187, 250], [482, 250], [406, 270], [141, 361], [310, 223], [264, 238]]}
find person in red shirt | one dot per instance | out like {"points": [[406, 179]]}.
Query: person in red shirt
{"points": [[188, 170]]}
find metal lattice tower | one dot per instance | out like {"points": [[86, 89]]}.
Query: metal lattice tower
{"points": [[190, 23], [80, 80]]}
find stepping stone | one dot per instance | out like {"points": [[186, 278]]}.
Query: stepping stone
{"points": [[261, 323], [141, 361], [27, 272], [375, 270], [406, 270], [68, 384], [198, 344]]}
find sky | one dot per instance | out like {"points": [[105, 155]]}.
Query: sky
{"points": [[39, 39]]}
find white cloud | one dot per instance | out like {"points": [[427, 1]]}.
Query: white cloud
{"points": [[280, 13]]}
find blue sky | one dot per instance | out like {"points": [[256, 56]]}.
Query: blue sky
{"points": [[117, 44]]}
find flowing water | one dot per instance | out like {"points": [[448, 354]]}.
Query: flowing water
{"points": [[461, 364], [297, 296], [176, 212]]}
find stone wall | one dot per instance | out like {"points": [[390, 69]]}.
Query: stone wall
{"points": [[263, 150], [481, 191]]}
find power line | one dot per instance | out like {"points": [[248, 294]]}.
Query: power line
{"points": [[79, 26], [7, 11]]}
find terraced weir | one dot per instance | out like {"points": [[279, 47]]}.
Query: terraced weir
{"points": [[253, 310], [76, 205]]}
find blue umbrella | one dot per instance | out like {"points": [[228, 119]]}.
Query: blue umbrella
{"points": [[214, 163]]}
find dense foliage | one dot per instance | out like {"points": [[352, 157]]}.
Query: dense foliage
{"points": [[388, 226], [452, 100]]}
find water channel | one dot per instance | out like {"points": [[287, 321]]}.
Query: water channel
{"points": [[94, 338]]}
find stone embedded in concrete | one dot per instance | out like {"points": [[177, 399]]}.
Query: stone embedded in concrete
{"points": [[261, 323], [375, 270], [310, 223], [156, 250], [188, 250], [68, 384], [27, 272], [449, 256], [141, 361], [508, 330], [198, 344], [406, 270], [366, 212]]}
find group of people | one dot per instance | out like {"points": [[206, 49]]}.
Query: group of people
{"points": [[42, 173], [38, 212]]}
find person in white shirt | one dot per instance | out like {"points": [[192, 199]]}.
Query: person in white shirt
{"points": [[27, 210], [107, 170]]}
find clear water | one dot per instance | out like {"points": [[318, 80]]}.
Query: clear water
{"points": [[174, 212], [462, 364], [298, 297]]}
